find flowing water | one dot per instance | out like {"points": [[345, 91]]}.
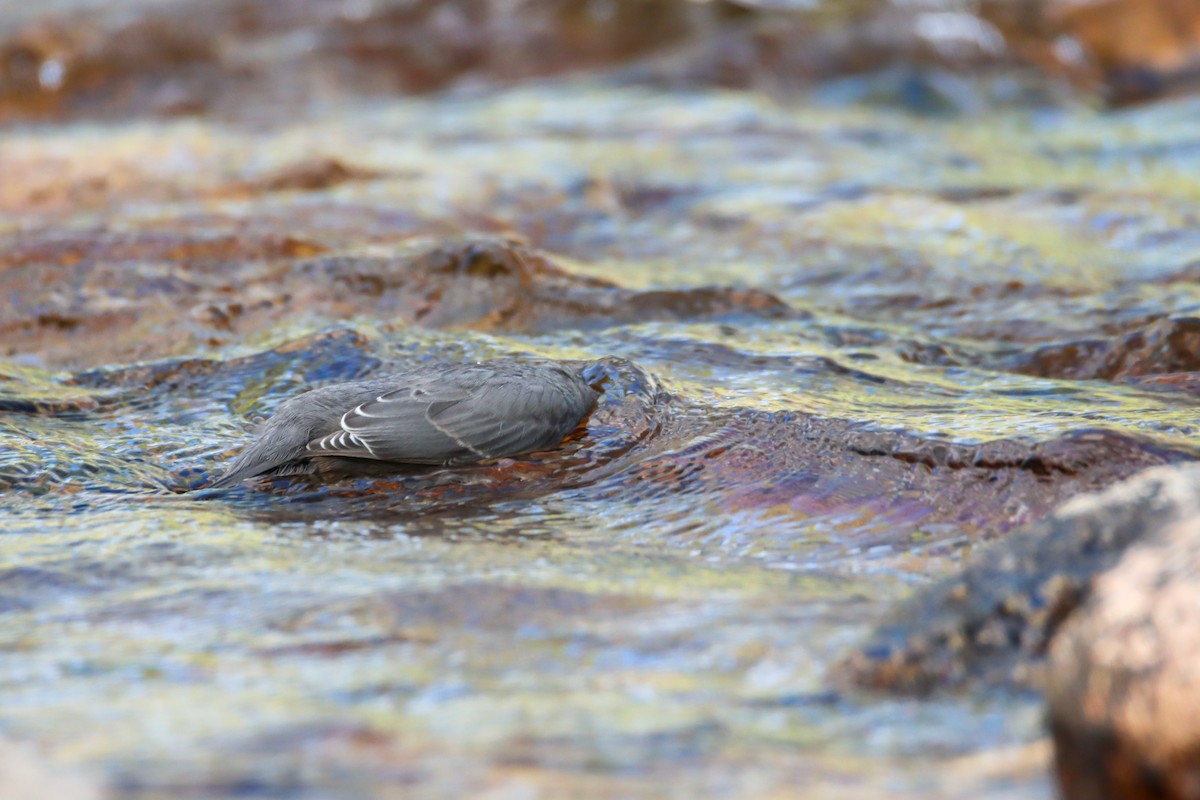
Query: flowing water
{"points": [[924, 333]]}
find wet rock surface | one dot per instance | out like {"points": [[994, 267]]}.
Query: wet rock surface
{"points": [[232, 286], [1163, 347], [993, 622], [186, 58], [849, 347]]}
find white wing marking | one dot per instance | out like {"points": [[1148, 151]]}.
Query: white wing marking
{"points": [[459, 441], [358, 440], [361, 413], [343, 440]]}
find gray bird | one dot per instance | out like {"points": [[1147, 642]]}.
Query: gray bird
{"points": [[433, 415]]}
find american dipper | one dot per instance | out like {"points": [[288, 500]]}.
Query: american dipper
{"points": [[432, 415]]}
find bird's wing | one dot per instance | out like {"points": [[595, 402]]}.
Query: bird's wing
{"points": [[431, 423]]}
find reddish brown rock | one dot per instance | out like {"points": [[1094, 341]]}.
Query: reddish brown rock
{"points": [[1125, 50], [237, 58], [499, 285], [66, 66], [234, 283], [1123, 686], [304, 176], [1130, 50], [1165, 346], [1140, 48], [901, 44]]}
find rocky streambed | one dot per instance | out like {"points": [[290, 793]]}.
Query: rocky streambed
{"points": [[807, 544]]}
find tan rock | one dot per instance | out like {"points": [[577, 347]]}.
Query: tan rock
{"points": [[1123, 684], [26, 775]]}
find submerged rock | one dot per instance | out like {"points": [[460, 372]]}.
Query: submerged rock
{"points": [[1163, 346], [234, 283]]}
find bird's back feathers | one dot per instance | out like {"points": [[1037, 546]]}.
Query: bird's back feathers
{"points": [[446, 414]]}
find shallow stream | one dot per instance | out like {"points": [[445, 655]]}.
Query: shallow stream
{"points": [[957, 324]]}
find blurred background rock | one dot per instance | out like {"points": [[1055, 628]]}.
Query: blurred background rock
{"points": [[263, 62]]}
